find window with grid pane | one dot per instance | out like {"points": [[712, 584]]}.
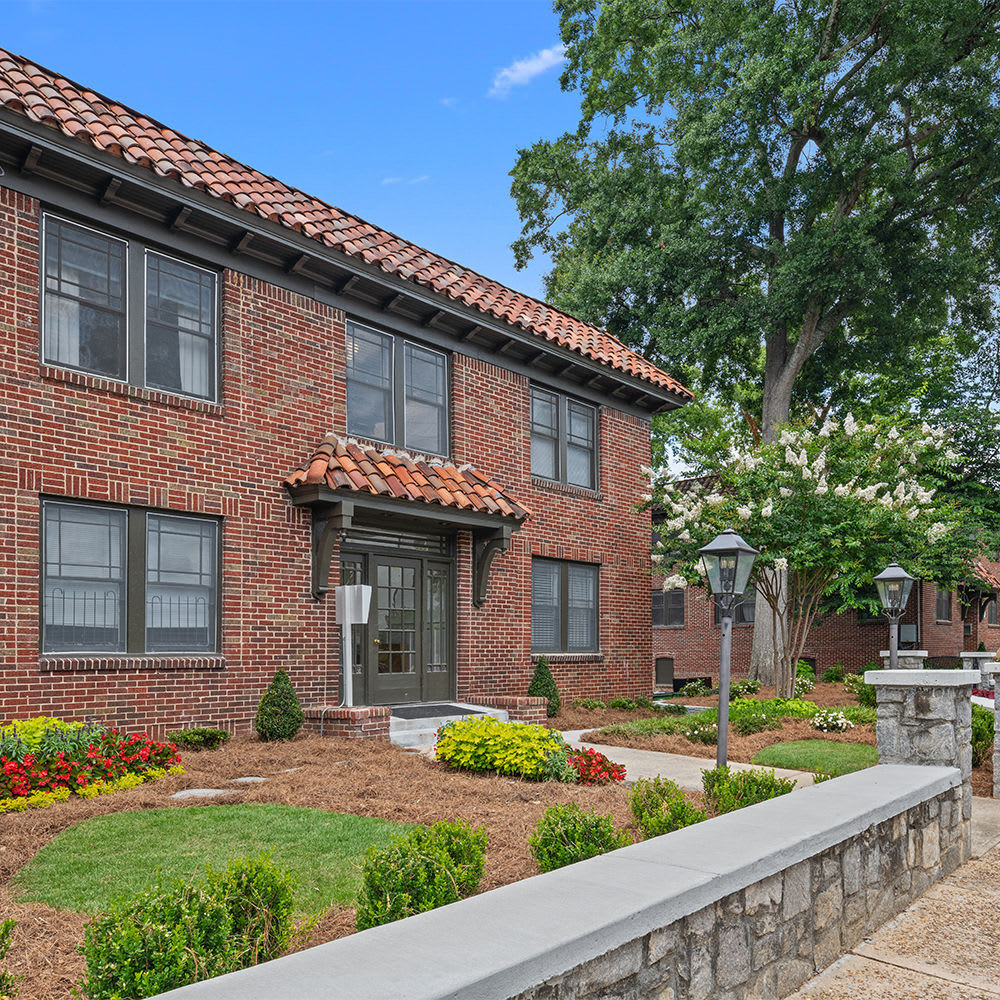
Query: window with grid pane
{"points": [[743, 613], [564, 606], [943, 611], [84, 299], [125, 580], [180, 327], [563, 439], [369, 383], [992, 617], [426, 415]]}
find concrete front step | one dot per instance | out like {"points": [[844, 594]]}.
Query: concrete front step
{"points": [[423, 732]]}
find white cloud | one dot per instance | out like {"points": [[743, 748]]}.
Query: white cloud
{"points": [[449, 102], [523, 71], [393, 180], [419, 180]]}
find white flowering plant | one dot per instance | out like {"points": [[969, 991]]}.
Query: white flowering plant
{"points": [[829, 504], [829, 720]]}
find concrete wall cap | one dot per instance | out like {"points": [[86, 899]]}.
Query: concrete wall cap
{"points": [[922, 678], [905, 652], [993, 667], [976, 655], [501, 943]]}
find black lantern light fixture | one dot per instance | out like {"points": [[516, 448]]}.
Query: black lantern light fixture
{"points": [[894, 585], [727, 561]]}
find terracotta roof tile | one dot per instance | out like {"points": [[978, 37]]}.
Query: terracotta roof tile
{"points": [[44, 96], [342, 464], [988, 577]]}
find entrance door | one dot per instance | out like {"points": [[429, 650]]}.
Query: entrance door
{"points": [[396, 596], [406, 652]]}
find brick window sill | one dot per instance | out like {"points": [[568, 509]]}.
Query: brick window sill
{"points": [[673, 628], [574, 491], [569, 657], [127, 664], [133, 391]]}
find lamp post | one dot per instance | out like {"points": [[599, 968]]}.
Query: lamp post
{"points": [[893, 585], [727, 561]]}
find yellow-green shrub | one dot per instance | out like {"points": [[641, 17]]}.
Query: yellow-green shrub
{"points": [[30, 731], [482, 743], [39, 800]]}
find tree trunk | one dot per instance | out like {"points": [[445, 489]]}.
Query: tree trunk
{"points": [[766, 648]]}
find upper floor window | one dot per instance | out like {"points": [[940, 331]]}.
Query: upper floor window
{"points": [[125, 580], [122, 311], [563, 439], [743, 613], [668, 607], [397, 391], [943, 609]]}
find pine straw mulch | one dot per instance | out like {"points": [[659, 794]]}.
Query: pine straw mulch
{"points": [[824, 695], [363, 777]]}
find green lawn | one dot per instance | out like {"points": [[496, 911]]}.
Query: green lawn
{"points": [[818, 755], [90, 864]]}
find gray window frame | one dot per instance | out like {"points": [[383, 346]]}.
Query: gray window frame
{"points": [[563, 648], [560, 434], [747, 603], [134, 310], [134, 572], [669, 608], [398, 391], [938, 595], [991, 616]]}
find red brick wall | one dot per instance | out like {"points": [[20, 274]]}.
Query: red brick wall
{"points": [[79, 437]]}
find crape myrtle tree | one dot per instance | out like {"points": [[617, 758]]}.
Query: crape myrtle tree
{"points": [[829, 503], [776, 200]]}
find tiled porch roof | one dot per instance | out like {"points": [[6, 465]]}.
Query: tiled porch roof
{"points": [[988, 577], [44, 96], [345, 464]]}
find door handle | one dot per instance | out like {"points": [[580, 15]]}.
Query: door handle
{"points": [[378, 642]]}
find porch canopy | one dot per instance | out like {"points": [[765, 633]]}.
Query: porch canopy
{"points": [[349, 483]]}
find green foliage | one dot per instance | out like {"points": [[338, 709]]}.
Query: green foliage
{"points": [[982, 735], [803, 684], [430, 867], [170, 936], [703, 730], [854, 684], [45, 737], [804, 669], [588, 703], [695, 689], [754, 720], [727, 790], [860, 715], [483, 743], [557, 767], [834, 674], [784, 708], [768, 197], [199, 738], [543, 685], [981, 648], [744, 688], [8, 981], [659, 807], [818, 755], [671, 726], [279, 715], [566, 834]]}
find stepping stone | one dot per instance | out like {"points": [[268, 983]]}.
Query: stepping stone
{"points": [[248, 780], [201, 793]]}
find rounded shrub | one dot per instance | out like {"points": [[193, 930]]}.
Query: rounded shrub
{"points": [[170, 936], [727, 790], [199, 738], [659, 807], [429, 867], [279, 714], [543, 685], [982, 734], [566, 834], [483, 743]]}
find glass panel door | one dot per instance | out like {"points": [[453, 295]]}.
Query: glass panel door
{"points": [[396, 600], [438, 657]]}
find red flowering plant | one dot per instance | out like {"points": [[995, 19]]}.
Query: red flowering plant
{"points": [[593, 768], [66, 755]]}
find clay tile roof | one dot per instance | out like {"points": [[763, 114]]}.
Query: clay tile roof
{"points": [[349, 465], [44, 96], [988, 577]]}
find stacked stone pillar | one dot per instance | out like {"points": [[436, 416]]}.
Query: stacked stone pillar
{"points": [[981, 663], [906, 659], [925, 718], [993, 670]]}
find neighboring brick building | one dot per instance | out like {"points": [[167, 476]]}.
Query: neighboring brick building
{"points": [[180, 333], [686, 630]]}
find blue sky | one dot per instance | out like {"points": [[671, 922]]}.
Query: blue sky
{"points": [[408, 113]]}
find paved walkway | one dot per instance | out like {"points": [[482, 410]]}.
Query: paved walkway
{"points": [[686, 771]]}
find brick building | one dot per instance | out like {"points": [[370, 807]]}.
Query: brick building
{"points": [[222, 396], [686, 629]]}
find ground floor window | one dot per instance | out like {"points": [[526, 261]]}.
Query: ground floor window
{"points": [[564, 606], [126, 580], [991, 611], [743, 613], [668, 607], [943, 606]]}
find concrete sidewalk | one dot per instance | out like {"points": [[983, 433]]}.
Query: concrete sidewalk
{"points": [[685, 771]]}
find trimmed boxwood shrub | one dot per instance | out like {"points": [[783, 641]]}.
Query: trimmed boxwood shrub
{"points": [[543, 685], [483, 743], [429, 867], [566, 834], [982, 734], [199, 738], [659, 807], [8, 981], [170, 936], [279, 715], [726, 791]]}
